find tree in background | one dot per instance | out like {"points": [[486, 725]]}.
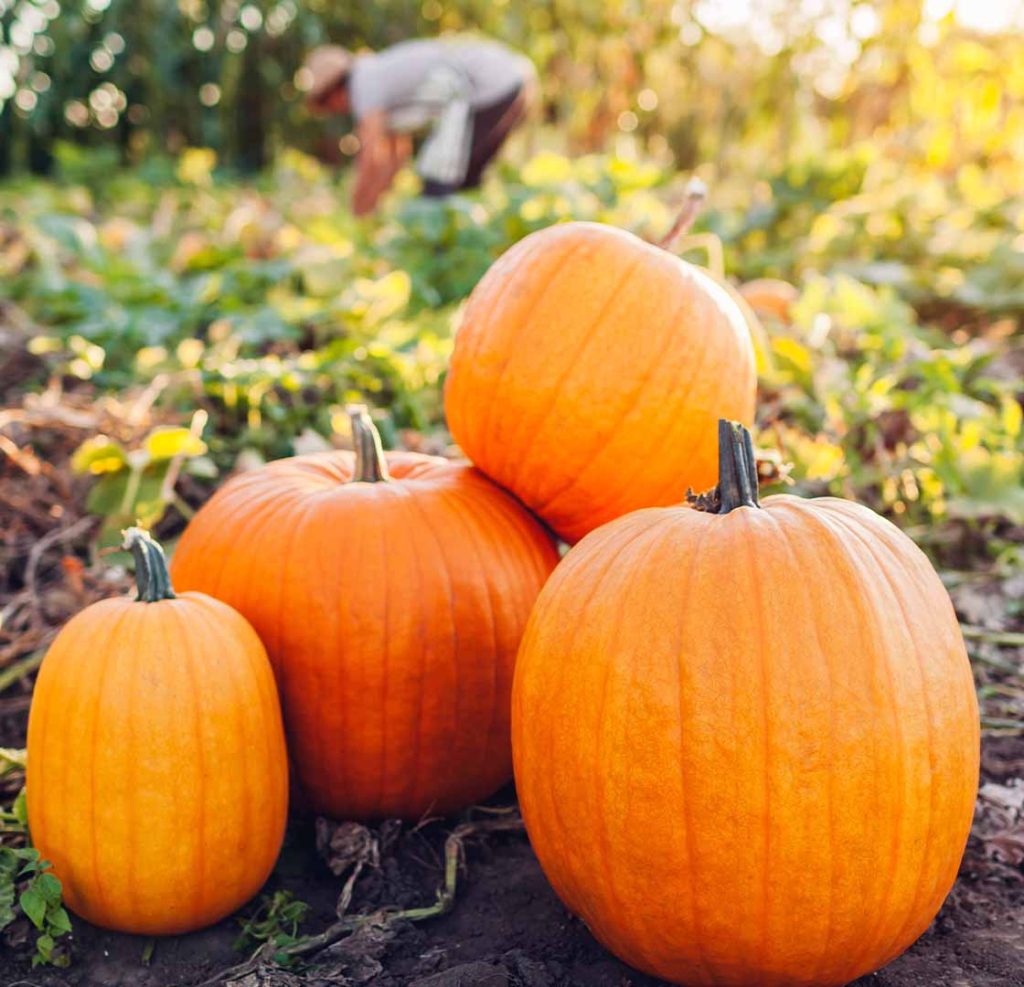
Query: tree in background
{"points": [[698, 81]]}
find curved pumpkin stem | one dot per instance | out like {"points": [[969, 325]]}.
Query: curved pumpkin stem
{"points": [[696, 194], [370, 464], [152, 579]]}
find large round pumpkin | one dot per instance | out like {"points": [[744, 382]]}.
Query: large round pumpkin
{"points": [[746, 737], [584, 349], [157, 774], [391, 592]]}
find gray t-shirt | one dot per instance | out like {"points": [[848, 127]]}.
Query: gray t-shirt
{"points": [[402, 80]]}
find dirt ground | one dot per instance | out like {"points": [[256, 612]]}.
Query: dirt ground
{"points": [[507, 928]]}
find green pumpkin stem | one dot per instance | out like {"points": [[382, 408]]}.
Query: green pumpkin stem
{"points": [[151, 576], [370, 464], [737, 473]]}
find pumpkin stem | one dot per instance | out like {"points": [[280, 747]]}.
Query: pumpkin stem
{"points": [[737, 473], [151, 576], [370, 464], [737, 468], [696, 194]]}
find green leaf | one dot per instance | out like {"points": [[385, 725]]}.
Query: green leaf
{"points": [[50, 888], [44, 946], [59, 922], [20, 808], [12, 757], [99, 455], [33, 904], [7, 895], [106, 495], [107, 498], [31, 857]]}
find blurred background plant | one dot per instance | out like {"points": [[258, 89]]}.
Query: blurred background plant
{"points": [[259, 309], [939, 82]]}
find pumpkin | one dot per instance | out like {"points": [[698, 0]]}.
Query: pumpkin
{"points": [[391, 591], [771, 297], [157, 779], [746, 736], [584, 348]]}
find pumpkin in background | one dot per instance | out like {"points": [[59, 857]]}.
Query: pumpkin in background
{"points": [[771, 297], [584, 349], [157, 779], [746, 736], [391, 592]]}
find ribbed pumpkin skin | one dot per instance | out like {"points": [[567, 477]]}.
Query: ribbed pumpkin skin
{"points": [[584, 348], [746, 745], [157, 773], [392, 613]]}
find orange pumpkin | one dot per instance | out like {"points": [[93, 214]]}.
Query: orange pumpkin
{"points": [[391, 592], [157, 776], [770, 296], [584, 348], [746, 736]]}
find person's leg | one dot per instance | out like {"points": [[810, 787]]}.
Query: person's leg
{"points": [[491, 127]]}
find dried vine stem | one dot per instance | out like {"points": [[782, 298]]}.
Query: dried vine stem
{"points": [[454, 847]]}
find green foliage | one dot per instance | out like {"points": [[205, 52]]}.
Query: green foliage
{"points": [[138, 485], [276, 920], [691, 80], [13, 821], [885, 223], [269, 306], [893, 413], [446, 245], [28, 890], [260, 310]]}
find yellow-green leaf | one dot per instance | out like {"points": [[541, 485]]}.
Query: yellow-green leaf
{"points": [[99, 455], [166, 443]]}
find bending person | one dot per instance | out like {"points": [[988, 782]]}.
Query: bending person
{"points": [[466, 94]]}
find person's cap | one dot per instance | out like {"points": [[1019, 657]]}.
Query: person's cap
{"points": [[327, 66]]}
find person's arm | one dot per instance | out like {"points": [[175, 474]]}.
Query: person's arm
{"points": [[381, 154], [401, 151]]}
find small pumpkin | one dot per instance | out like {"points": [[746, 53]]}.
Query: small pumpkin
{"points": [[157, 779], [746, 736], [584, 347], [391, 591], [770, 296]]}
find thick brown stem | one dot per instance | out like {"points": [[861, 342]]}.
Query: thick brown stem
{"points": [[152, 579], [737, 468], [370, 464], [737, 473]]}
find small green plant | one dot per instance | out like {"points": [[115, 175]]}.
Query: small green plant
{"points": [[139, 484], [28, 889], [276, 921], [13, 821]]}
